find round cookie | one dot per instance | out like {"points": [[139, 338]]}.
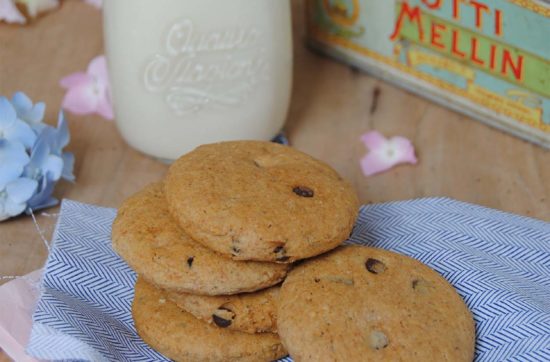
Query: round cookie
{"points": [[181, 337], [365, 304], [254, 200], [246, 312], [153, 244]]}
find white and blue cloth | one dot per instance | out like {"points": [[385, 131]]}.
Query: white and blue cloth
{"points": [[498, 262]]}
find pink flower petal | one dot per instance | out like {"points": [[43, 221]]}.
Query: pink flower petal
{"points": [[405, 149], [372, 164], [81, 100], [373, 139], [75, 80], [98, 69], [384, 154], [89, 92], [97, 3], [9, 12], [105, 109]]}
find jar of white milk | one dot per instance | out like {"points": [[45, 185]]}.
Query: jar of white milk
{"points": [[188, 72]]}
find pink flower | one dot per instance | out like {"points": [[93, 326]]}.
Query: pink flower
{"points": [[97, 3], [9, 12], [385, 153], [89, 92]]}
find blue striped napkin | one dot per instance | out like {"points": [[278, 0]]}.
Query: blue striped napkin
{"points": [[498, 262]]}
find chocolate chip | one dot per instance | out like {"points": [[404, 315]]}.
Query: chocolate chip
{"points": [[317, 280], [303, 191], [235, 250], [375, 266], [378, 340], [223, 317], [280, 251], [221, 322], [283, 258], [190, 261]]}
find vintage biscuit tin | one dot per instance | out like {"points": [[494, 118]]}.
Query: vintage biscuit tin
{"points": [[489, 59]]}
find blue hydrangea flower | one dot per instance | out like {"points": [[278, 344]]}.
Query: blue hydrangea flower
{"points": [[31, 156], [13, 198], [42, 198], [12, 128], [27, 112], [48, 163], [13, 159], [14, 190], [47, 158]]}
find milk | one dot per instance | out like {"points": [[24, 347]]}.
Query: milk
{"points": [[188, 72]]}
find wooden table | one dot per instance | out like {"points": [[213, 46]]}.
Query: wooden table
{"points": [[331, 106]]}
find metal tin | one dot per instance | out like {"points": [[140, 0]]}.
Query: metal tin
{"points": [[489, 59]]}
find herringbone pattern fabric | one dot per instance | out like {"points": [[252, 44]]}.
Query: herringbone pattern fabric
{"points": [[498, 262]]}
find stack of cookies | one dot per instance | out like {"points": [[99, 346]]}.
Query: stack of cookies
{"points": [[212, 243]]}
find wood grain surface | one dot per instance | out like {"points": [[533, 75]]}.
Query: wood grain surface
{"points": [[332, 105]]}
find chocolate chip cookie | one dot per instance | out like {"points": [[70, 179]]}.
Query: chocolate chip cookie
{"points": [[246, 312], [181, 337], [365, 304], [153, 244], [253, 200]]}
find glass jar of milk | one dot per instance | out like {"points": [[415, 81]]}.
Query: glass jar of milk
{"points": [[188, 72]]}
